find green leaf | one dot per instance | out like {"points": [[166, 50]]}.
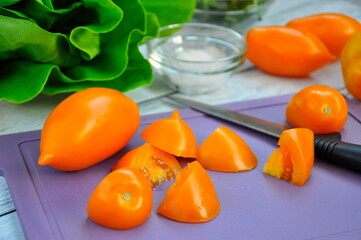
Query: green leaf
{"points": [[57, 46]]}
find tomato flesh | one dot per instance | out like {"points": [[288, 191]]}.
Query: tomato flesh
{"points": [[157, 165], [293, 160]]}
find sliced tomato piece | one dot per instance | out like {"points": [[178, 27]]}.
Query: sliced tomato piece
{"points": [[192, 197], [122, 200], [224, 150], [157, 165], [293, 160], [172, 135]]}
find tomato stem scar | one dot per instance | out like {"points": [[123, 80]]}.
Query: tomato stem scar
{"points": [[127, 196]]}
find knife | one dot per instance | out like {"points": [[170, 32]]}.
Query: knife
{"points": [[328, 147]]}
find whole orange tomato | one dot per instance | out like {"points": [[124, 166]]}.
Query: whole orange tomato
{"points": [[320, 108], [333, 29], [293, 160], [86, 128], [224, 150], [285, 51], [122, 200], [351, 65]]}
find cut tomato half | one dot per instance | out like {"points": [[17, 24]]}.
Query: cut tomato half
{"points": [[224, 150], [157, 165]]}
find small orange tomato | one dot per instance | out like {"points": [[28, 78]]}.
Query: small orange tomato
{"points": [[172, 135], [320, 108], [122, 200], [333, 29], [158, 166], [86, 128], [192, 198], [224, 150], [285, 51], [293, 160], [351, 65]]}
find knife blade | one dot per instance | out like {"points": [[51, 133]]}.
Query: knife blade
{"points": [[328, 147]]}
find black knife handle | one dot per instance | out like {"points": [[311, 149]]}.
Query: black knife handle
{"points": [[331, 149]]}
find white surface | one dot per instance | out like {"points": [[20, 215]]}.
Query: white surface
{"points": [[249, 83]]}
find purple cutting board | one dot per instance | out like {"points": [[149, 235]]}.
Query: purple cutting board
{"points": [[52, 204]]}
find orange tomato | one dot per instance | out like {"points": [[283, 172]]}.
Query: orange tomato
{"points": [[192, 198], [351, 65], [224, 150], [86, 128], [333, 29], [122, 200], [172, 135], [320, 108], [285, 51], [293, 160], [158, 166]]}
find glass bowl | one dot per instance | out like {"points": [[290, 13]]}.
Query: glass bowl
{"points": [[196, 58], [235, 14]]}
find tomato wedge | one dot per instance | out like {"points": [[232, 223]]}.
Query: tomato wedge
{"points": [[293, 160], [192, 198], [172, 135], [122, 200], [224, 150], [157, 165]]}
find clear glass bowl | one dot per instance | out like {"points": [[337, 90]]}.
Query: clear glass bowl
{"points": [[235, 14], [196, 58]]}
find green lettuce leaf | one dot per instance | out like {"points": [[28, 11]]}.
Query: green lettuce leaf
{"points": [[57, 46]]}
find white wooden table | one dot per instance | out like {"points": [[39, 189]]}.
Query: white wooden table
{"points": [[248, 83]]}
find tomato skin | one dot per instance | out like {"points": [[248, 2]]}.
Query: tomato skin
{"points": [[333, 29], [192, 198], [287, 52], [122, 200], [293, 160], [351, 65], [172, 135], [157, 165], [320, 108], [86, 128], [223, 150]]}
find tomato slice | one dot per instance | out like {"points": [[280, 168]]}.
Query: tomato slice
{"points": [[224, 150], [192, 198], [172, 135], [293, 160], [122, 200], [157, 165]]}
